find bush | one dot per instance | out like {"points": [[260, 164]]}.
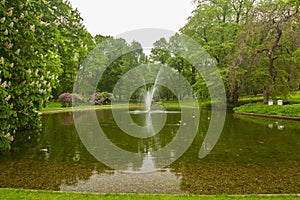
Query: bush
{"points": [[103, 98], [65, 99]]}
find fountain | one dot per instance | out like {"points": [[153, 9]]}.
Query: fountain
{"points": [[148, 98]]}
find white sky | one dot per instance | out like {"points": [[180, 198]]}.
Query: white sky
{"points": [[113, 17]]}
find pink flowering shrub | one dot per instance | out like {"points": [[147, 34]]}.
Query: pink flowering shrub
{"points": [[77, 98], [102, 98], [65, 99]]}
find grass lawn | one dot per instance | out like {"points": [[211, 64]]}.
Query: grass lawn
{"points": [[291, 107], [293, 98], [39, 194], [56, 106], [285, 110]]}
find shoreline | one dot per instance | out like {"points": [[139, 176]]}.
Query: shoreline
{"points": [[109, 107], [269, 116], [96, 108]]}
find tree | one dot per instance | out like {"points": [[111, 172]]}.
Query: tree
{"points": [[159, 52], [216, 25], [74, 42], [43, 42], [29, 65], [272, 38]]}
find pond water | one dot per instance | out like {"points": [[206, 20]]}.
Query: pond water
{"points": [[251, 156]]}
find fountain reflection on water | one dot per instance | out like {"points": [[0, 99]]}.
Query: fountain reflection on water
{"points": [[152, 120]]}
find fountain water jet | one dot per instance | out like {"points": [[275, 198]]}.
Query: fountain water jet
{"points": [[148, 98]]}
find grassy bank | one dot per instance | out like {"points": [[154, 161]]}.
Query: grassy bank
{"points": [[56, 106], [285, 110], [38, 194]]}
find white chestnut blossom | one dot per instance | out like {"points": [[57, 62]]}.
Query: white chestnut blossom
{"points": [[10, 12], [9, 45], [2, 20], [18, 51], [9, 137], [44, 23], [32, 28], [4, 84], [11, 25], [7, 98], [43, 91]]}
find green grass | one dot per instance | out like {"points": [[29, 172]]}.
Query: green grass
{"points": [[253, 99], [291, 107], [52, 106], [293, 98], [285, 110], [38, 194]]}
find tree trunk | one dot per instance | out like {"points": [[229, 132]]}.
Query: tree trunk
{"points": [[266, 95], [234, 96]]}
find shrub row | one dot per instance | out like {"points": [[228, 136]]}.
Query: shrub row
{"points": [[98, 98]]}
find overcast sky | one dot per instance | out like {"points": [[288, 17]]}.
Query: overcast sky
{"points": [[113, 17]]}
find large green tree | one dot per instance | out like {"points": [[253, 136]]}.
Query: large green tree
{"points": [[216, 25], [271, 39], [40, 41], [73, 44], [29, 66], [169, 53], [254, 42]]}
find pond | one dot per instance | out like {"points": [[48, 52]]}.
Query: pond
{"points": [[251, 156]]}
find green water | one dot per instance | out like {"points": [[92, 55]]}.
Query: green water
{"points": [[251, 156]]}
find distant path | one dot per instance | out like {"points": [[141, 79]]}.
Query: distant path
{"points": [[69, 110]]}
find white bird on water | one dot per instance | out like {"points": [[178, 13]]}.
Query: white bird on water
{"points": [[279, 127], [45, 150]]}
